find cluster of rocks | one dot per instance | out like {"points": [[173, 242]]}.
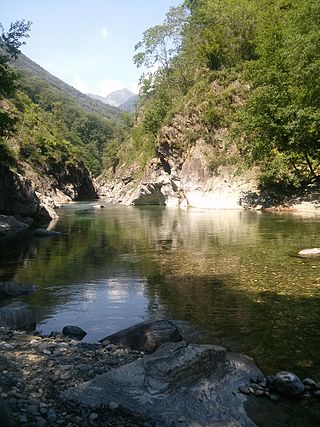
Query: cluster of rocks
{"points": [[282, 384], [35, 370]]}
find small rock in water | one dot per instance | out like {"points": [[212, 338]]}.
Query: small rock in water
{"points": [[309, 382], [288, 384], [309, 252]]}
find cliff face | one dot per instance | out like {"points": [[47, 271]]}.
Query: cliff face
{"points": [[201, 174], [29, 193]]}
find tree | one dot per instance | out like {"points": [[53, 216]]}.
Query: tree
{"points": [[10, 42], [162, 42]]}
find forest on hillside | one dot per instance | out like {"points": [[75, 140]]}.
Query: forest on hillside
{"points": [[251, 66], [41, 121]]}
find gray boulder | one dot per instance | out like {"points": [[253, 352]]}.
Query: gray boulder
{"points": [[16, 316], [146, 336], [11, 289], [74, 332], [179, 384], [288, 384]]}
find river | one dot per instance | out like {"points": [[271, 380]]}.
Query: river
{"points": [[227, 277]]}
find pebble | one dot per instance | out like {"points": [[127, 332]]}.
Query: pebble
{"points": [[309, 382], [113, 405], [93, 416], [244, 389], [23, 419]]}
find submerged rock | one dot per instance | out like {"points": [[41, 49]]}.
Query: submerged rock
{"points": [[146, 336], [309, 252], [43, 232], [11, 289], [16, 315], [198, 383], [288, 384], [9, 222]]}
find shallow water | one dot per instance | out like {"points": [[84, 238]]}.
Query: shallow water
{"points": [[233, 276]]}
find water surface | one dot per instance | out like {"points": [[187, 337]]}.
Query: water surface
{"points": [[232, 275]]}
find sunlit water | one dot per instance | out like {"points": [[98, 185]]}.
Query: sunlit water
{"points": [[233, 276]]}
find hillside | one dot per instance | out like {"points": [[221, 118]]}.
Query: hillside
{"points": [[50, 145], [30, 68], [231, 117]]}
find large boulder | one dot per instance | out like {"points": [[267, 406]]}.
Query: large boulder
{"points": [[11, 289], [179, 384], [16, 316], [288, 384], [145, 336]]}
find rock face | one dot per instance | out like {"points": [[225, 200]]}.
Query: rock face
{"points": [[16, 316], [17, 196], [146, 336], [179, 384], [10, 289], [182, 178]]}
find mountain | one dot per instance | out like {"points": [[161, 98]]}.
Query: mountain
{"points": [[31, 68], [124, 99]]}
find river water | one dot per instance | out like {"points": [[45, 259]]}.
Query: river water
{"points": [[227, 277]]}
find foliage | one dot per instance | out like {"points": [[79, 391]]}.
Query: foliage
{"points": [[251, 66], [10, 43]]}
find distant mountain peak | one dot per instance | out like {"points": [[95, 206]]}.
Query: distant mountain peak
{"points": [[122, 98]]}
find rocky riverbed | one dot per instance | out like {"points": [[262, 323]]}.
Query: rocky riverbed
{"points": [[35, 370]]}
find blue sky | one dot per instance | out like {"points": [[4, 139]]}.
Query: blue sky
{"points": [[87, 43]]}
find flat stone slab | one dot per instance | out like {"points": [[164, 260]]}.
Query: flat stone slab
{"points": [[179, 384]]}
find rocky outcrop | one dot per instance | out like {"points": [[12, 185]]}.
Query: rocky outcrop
{"points": [[179, 384], [18, 197], [34, 194]]}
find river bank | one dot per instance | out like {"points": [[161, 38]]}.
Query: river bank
{"points": [[35, 370]]}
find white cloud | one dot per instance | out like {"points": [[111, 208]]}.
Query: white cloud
{"points": [[104, 32], [80, 84], [108, 86], [134, 87]]}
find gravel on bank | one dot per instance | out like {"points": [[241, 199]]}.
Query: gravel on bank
{"points": [[36, 369]]}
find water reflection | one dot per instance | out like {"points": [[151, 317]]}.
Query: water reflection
{"points": [[232, 274]]}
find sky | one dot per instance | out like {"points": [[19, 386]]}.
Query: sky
{"points": [[88, 44]]}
